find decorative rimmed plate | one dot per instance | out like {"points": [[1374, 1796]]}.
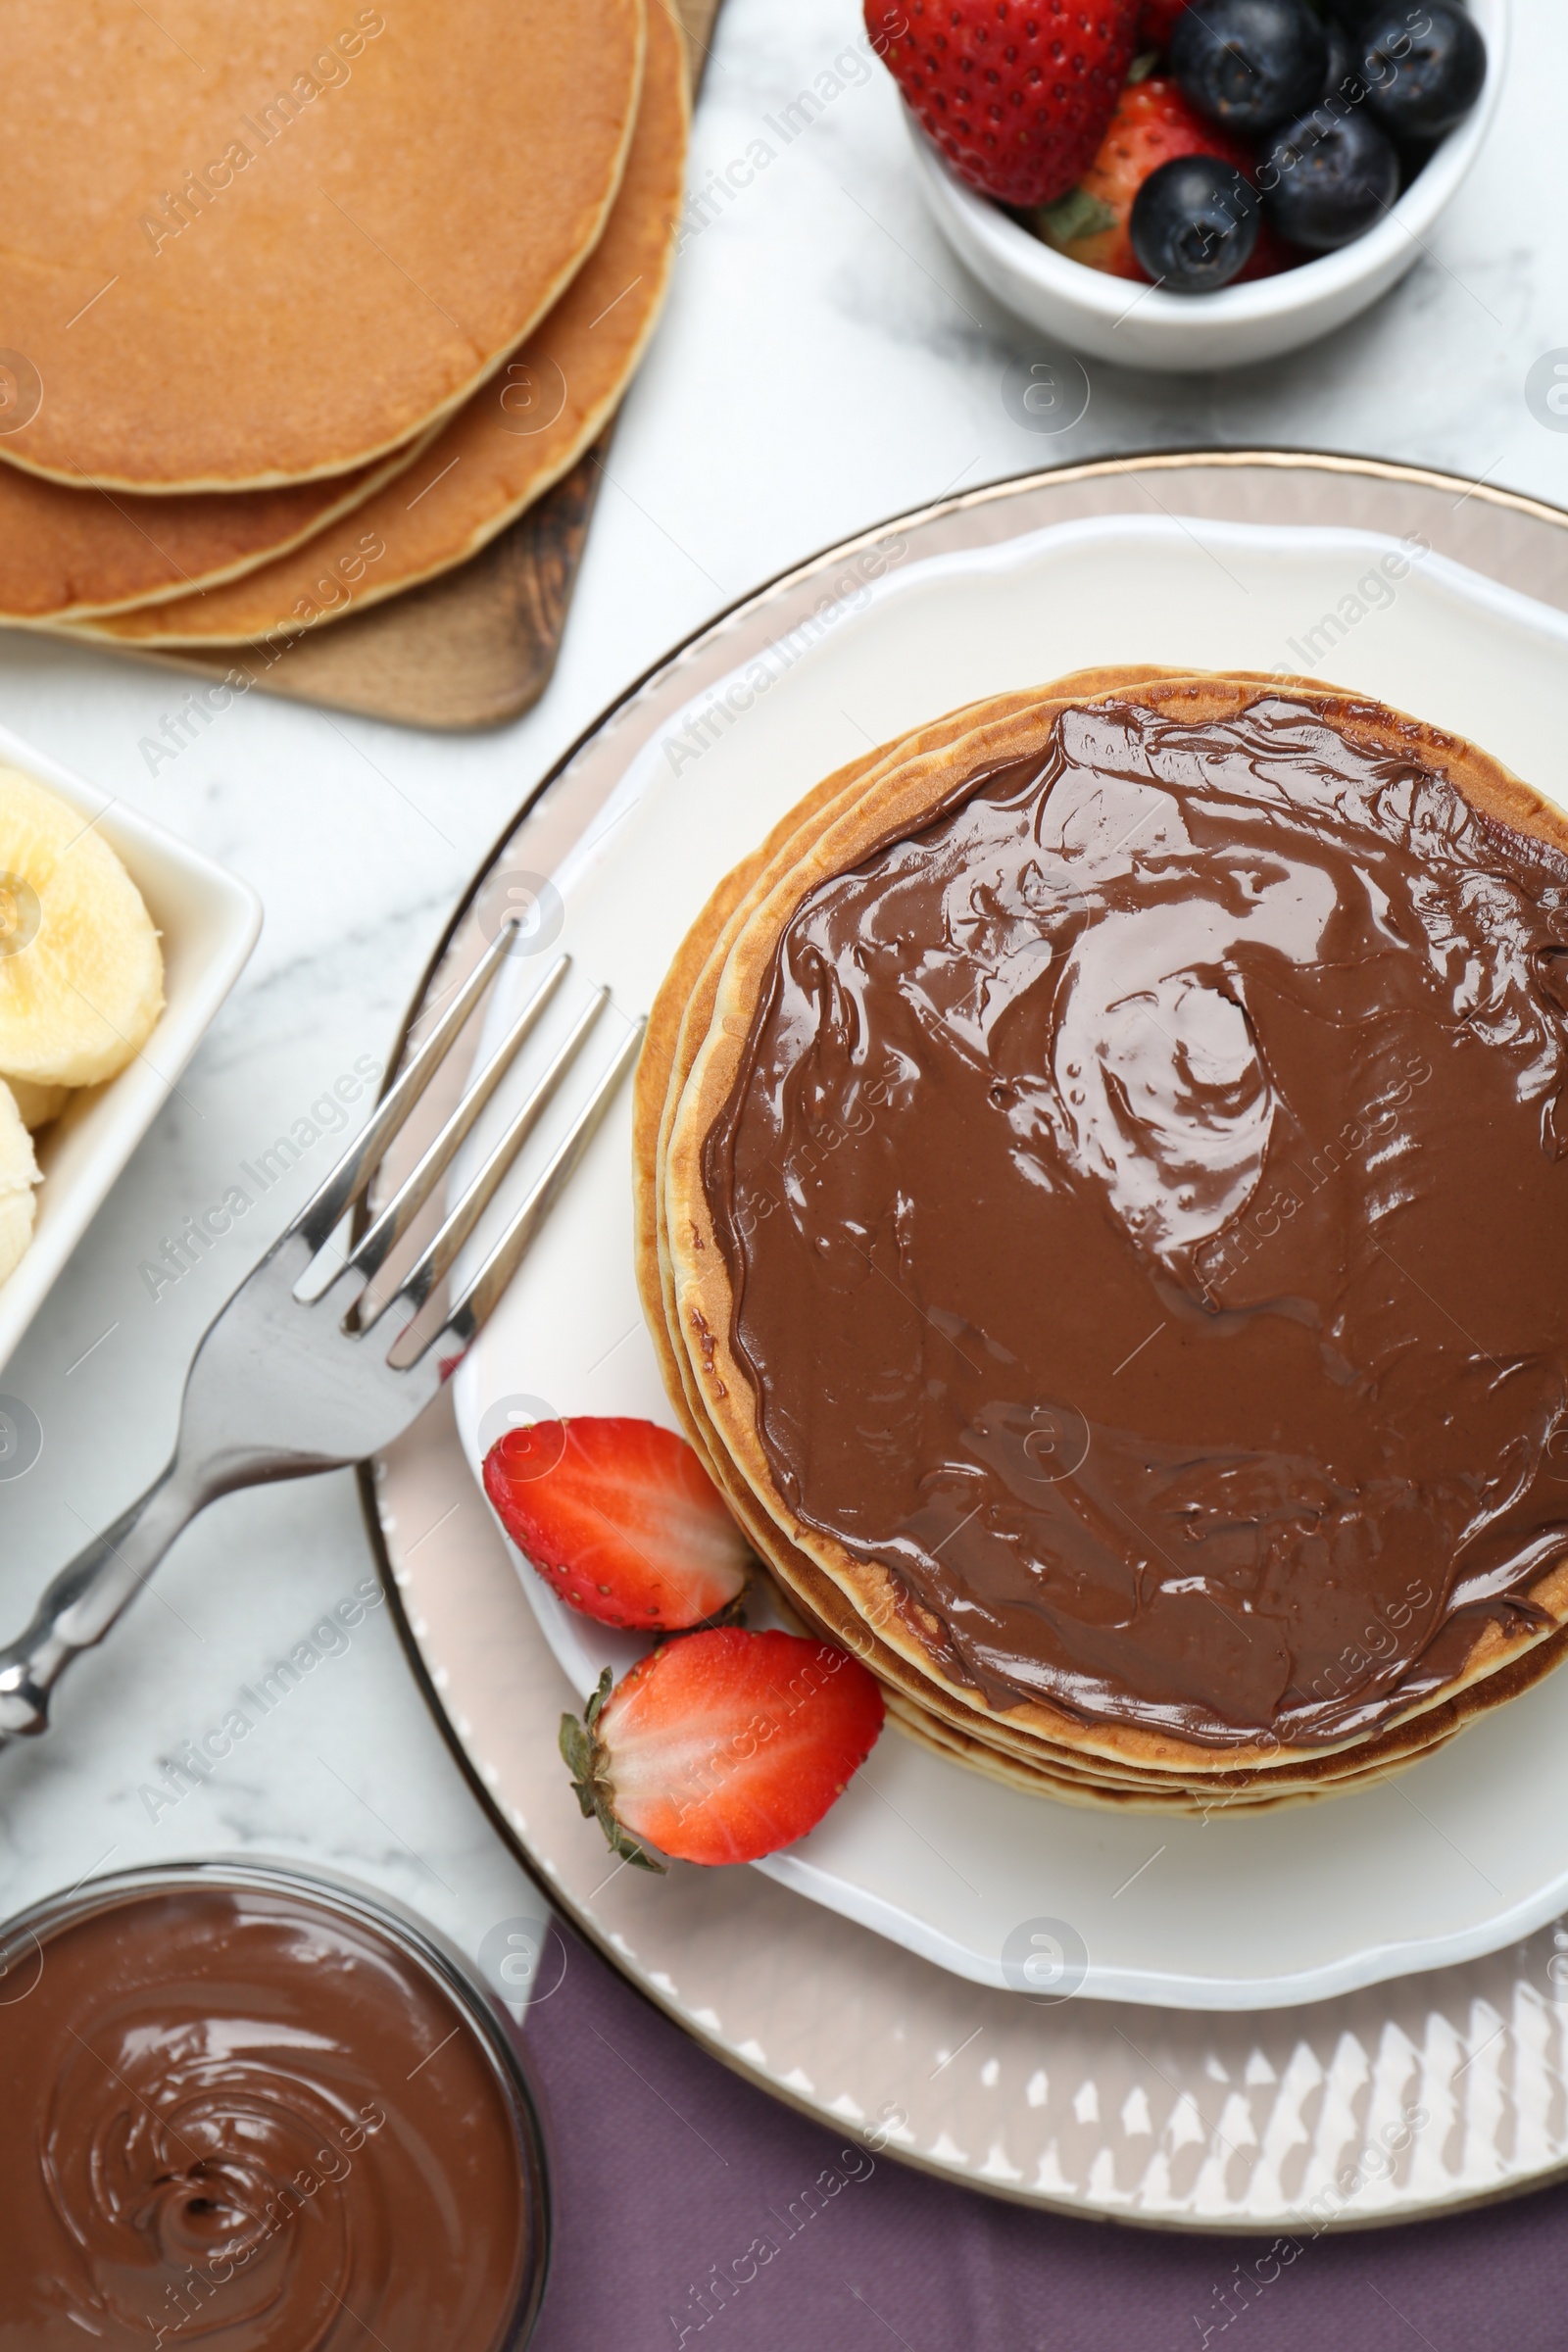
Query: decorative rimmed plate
{"points": [[1432, 2091]]}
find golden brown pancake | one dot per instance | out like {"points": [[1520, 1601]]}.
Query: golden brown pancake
{"points": [[511, 440], [962, 1747], [70, 555], [245, 248], [699, 1017], [677, 1024]]}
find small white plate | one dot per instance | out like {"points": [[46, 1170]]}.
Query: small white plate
{"points": [[1464, 1853], [209, 920]]}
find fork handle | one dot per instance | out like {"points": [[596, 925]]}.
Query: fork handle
{"points": [[84, 1600]]}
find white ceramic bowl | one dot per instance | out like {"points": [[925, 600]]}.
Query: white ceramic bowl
{"points": [[209, 920], [1185, 333]]}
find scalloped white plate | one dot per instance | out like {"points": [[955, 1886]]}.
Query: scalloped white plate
{"points": [[1464, 1853]]}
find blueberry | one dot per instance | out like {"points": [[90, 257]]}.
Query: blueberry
{"points": [[1354, 14], [1423, 67], [1342, 62], [1357, 15], [1329, 179], [1250, 64], [1193, 223]]}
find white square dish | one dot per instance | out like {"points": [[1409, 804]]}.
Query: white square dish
{"points": [[209, 921]]}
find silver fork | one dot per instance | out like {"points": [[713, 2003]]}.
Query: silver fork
{"points": [[283, 1386]]}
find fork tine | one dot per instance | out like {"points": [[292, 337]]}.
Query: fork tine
{"points": [[474, 1309], [319, 1216], [401, 1210], [438, 1254]]}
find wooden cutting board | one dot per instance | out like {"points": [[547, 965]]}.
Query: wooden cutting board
{"points": [[476, 646]]}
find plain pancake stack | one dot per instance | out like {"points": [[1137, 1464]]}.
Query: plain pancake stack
{"points": [[344, 293], [1226, 1011]]}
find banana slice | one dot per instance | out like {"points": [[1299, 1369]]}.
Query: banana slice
{"points": [[38, 1104], [82, 978], [18, 1173]]}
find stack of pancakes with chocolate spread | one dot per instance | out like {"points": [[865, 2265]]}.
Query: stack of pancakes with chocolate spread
{"points": [[1102, 1199], [345, 290]]}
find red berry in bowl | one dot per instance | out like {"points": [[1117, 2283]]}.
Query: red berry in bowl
{"points": [[1156, 21], [1017, 93], [723, 1746], [620, 1518]]}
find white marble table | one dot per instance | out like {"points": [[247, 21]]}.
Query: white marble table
{"points": [[823, 364]]}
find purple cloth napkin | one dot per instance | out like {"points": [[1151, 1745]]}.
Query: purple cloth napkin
{"points": [[683, 2224]]}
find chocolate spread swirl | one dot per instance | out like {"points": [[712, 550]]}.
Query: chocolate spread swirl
{"points": [[245, 2123], [1145, 1194]]}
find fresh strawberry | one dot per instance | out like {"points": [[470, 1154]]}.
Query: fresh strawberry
{"points": [[620, 1518], [1152, 122], [1017, 93], [721, 1747], [1156, 22]]}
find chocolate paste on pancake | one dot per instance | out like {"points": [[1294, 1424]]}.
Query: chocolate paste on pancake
{"points": [[1144, 1197], [244, 2122]]}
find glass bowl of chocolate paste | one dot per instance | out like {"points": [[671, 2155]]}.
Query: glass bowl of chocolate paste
{"points": [[247, 2109]]}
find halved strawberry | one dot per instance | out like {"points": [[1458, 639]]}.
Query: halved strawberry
{"points": [[721, 1747], [1152, 122], [620, 1518]]}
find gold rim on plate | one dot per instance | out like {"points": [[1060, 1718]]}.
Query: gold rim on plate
{"points": [[1424, 2094]]}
